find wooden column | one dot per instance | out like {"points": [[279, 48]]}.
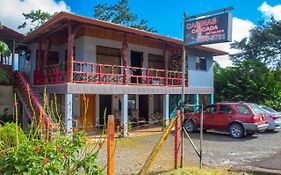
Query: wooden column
{"points": [[39, 55], [124, 50], [46, 53], [70, 44], [177, 146], [110, 145], [165, 52]]}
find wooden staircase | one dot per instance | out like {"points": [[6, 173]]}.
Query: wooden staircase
{"points": [[32, 101]]}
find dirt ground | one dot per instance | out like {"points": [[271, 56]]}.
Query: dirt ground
{"points": [[218, 150]]}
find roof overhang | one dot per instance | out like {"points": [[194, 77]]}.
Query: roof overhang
{"points": [[7, 34], [63, 18]]}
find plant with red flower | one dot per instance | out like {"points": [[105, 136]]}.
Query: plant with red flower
{"points": [[58, 147], [100, 144], [37, 149], [44, 161], [65, 155]]}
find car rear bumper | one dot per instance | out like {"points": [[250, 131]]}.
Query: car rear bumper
{"points": [[254, 126]]}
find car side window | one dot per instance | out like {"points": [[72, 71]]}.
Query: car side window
{"points": [[210, 110], [242, 109], [225, 109]]}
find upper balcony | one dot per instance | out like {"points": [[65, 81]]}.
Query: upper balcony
{"points": [[93, 73]]}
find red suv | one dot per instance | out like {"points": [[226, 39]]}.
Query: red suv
{"points": [[237, 118]]}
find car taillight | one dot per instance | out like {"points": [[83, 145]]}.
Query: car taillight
{"points": [[273, 117], [257, 118]]}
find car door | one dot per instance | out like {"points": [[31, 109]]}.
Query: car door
{"points": [[209, 116], [224, 116]]}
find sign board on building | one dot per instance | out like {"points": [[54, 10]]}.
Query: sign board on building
{"points": [[209, 30]]}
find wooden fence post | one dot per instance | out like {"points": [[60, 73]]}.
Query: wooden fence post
{"points": [[177, 140], [110, 145], [157, 148]]}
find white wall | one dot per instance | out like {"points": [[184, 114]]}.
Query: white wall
{"points": [[6, 99], [200, 78]]}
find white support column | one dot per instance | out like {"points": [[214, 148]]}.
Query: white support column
{"points": [[124, 115], [166, 111], [68, 114]]}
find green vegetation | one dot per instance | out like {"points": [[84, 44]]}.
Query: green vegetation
{"points": [[5, 78], [121, 14], [46, 148], [256, 75], [35, 19]]}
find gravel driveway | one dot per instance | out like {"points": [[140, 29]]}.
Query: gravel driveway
{"points": [[218, 150]]}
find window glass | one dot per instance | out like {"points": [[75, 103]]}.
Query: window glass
{"points": [[210, 110], [242, 109], [201, 63], [225, 109], [269, 109], [256, 108]]}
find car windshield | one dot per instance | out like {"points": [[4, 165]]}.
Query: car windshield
{"points": [[256, 108], [269, 109]]}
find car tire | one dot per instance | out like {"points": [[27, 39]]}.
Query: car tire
{"points": [[189, 126], [236, 130]]}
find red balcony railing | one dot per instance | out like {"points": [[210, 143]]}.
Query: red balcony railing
{"points": [[93, 73], [50, 75]]}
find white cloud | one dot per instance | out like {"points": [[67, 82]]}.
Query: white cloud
{"points": [[271, 11], [11, 10], [240, 30]]}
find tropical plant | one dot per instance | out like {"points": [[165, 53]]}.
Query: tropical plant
{"points": [[35, 19], [120, 14], [263, 44], [5, 52], [46, 148]]}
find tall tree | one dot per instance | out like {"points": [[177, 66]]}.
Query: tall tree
{"points": [[120, 14], [35, 19], [264, 44], [248, 80]]}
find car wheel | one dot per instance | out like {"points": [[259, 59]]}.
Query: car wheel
{"points": [[189, 126], [236, 131]]}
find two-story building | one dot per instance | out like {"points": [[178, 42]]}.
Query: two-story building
{"points": [[132, 73]]}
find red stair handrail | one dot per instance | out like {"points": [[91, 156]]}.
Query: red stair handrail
{"points": [[33, 98]]}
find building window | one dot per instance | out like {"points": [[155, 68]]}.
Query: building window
{"points": [[201, 63]]}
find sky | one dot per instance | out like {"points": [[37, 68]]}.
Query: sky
{"points": [[164, 15]]}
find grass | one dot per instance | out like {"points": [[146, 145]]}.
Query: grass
{"points": [[205, 171]]}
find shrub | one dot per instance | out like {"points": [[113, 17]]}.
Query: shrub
{"points": [[8, 136], [45, 152]]}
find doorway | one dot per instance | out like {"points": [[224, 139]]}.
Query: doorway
{"points": [[105, 102], [136, 61], [143, 107], [90, 115]]}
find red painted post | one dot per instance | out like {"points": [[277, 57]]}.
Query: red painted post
{"points": [[147, 76], [100, 72], [177, 140], [166, 64], [110, 145], [39, 55], [56, 75]]}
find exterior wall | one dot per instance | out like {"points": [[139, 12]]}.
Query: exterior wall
{"points": [[200, 78], [6, 99]]}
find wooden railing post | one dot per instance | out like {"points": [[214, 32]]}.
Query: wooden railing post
{"points": [[177, 140], [100, 72], [147, 76], [56, 75], [110, 145]]}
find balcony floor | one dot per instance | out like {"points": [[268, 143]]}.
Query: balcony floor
{"points": [[80, 88]]}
